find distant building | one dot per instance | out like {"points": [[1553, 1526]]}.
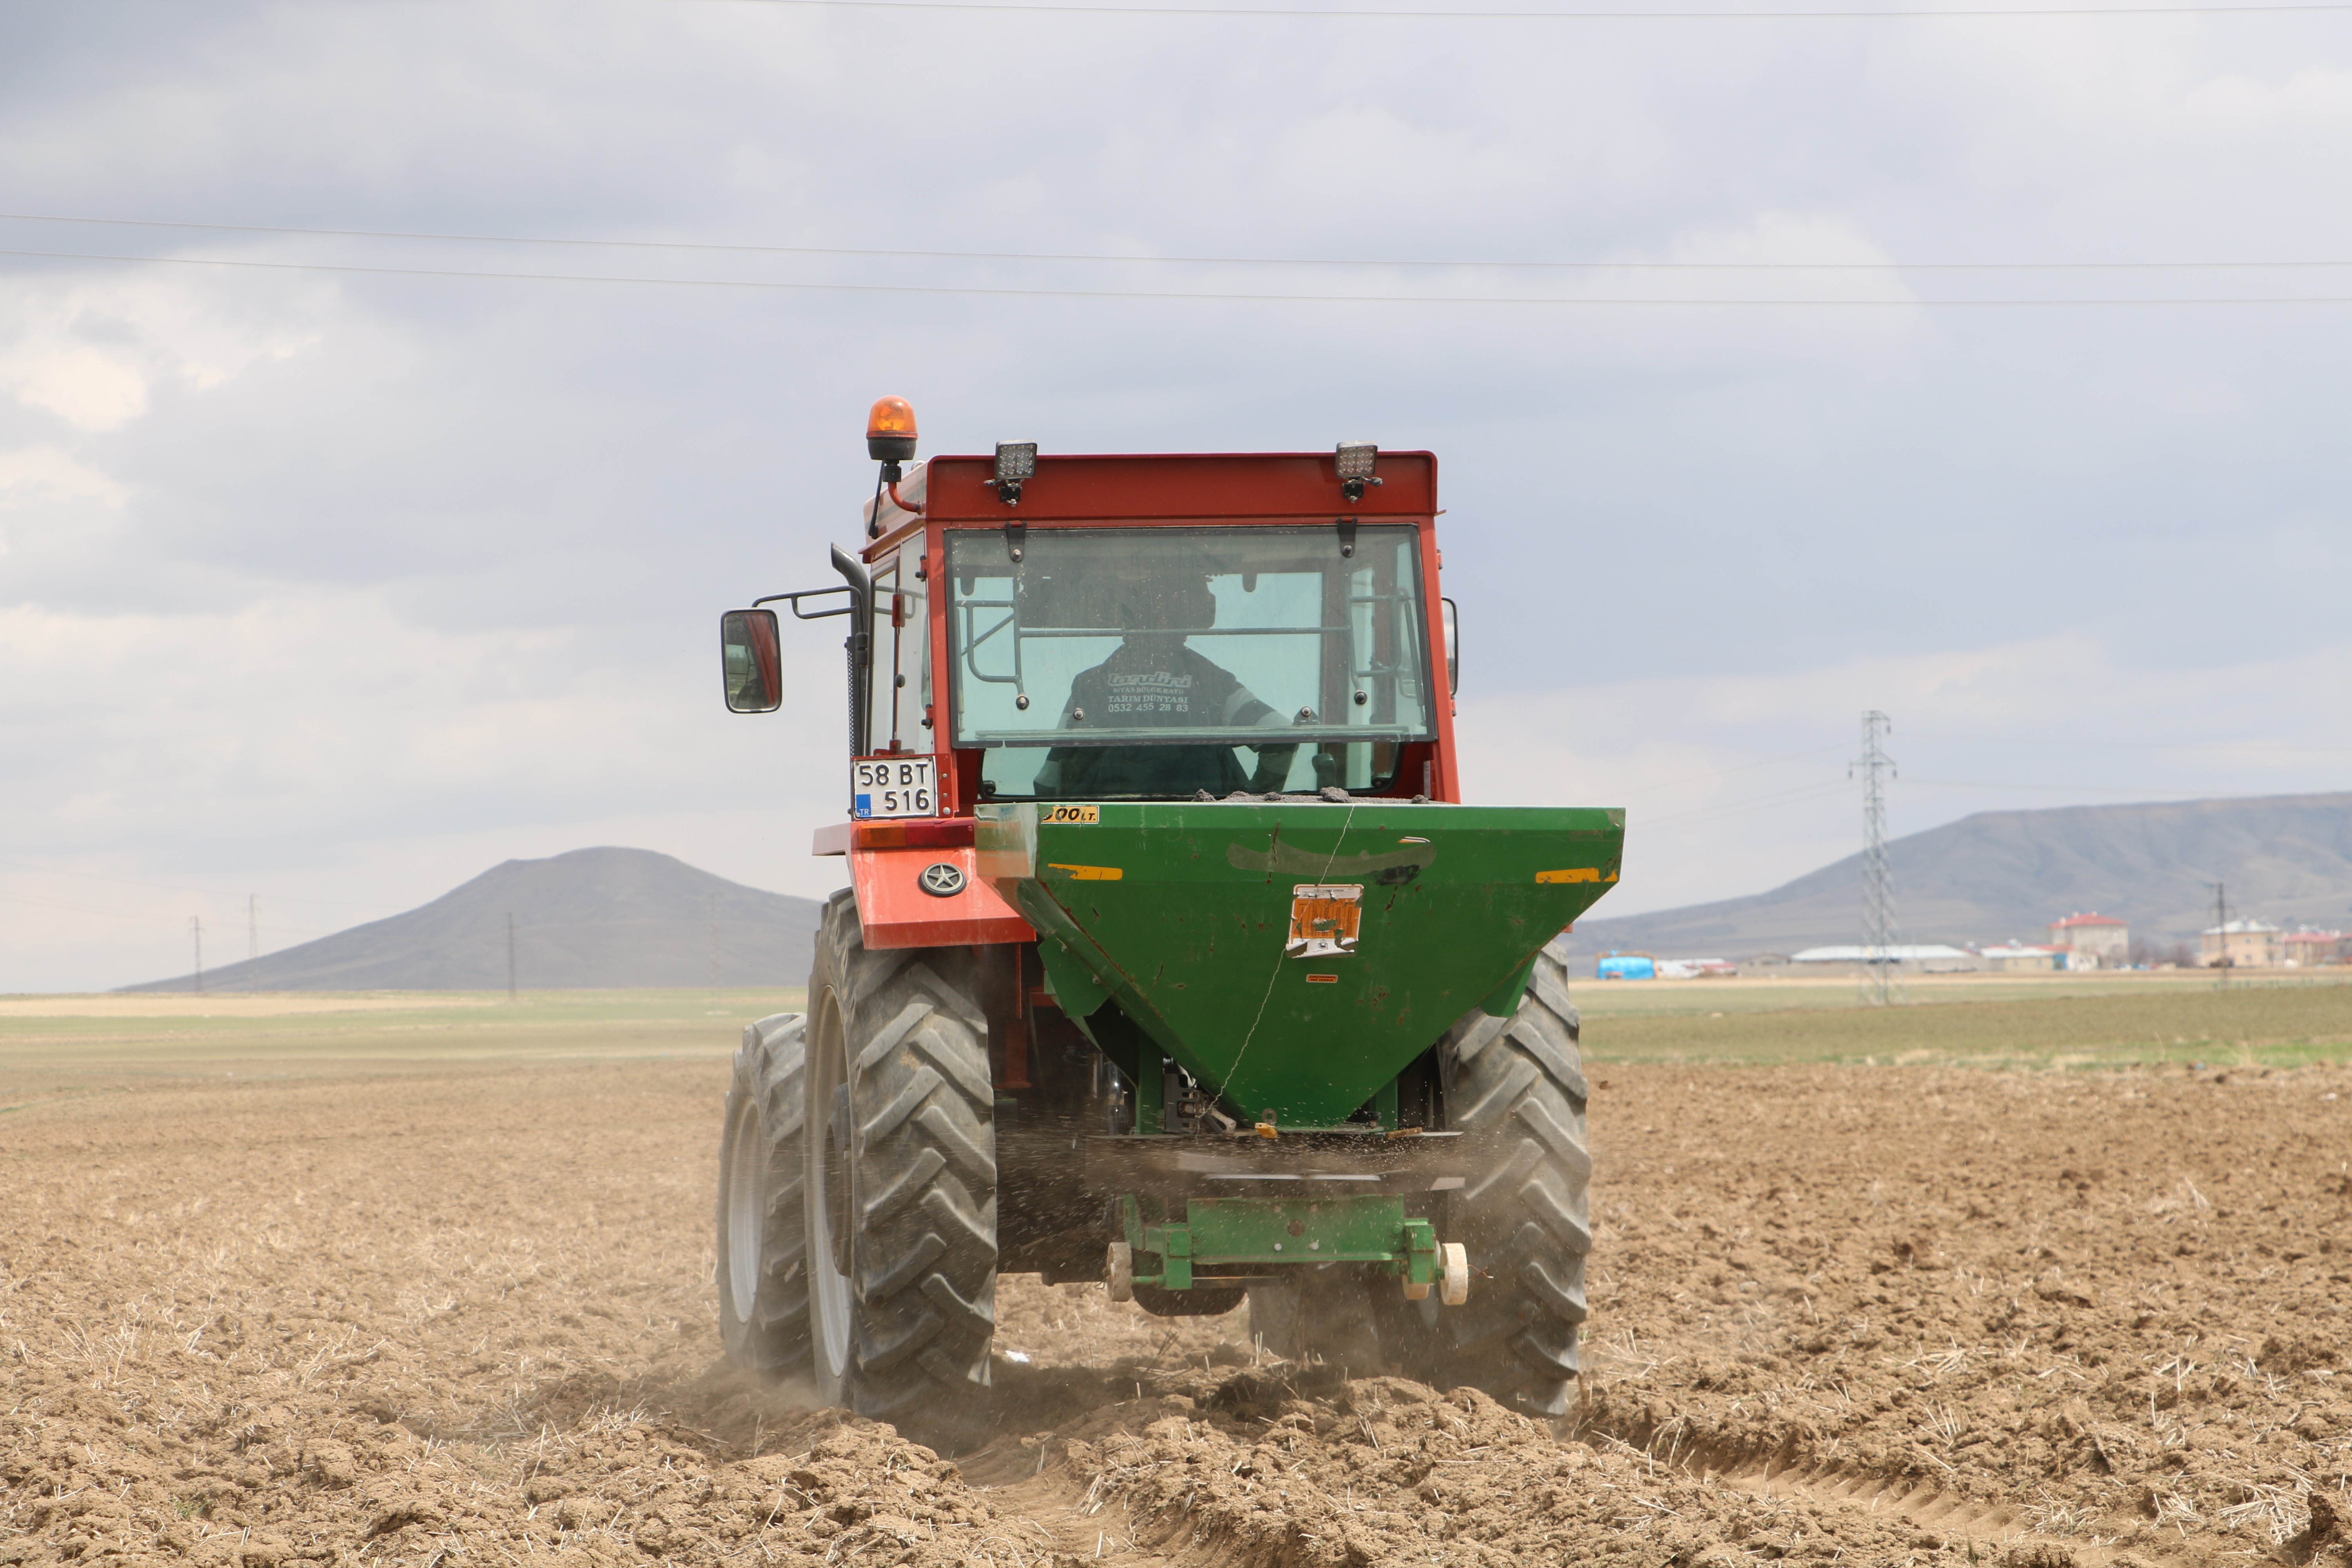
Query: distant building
{"points": [[2306, 948], [1901, 953], [1927, 957], [2241, 945], [1626, 966], [2018, 958], [2103, 940]]}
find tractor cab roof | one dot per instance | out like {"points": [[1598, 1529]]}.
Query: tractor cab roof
{"points": [[1109, 490]]}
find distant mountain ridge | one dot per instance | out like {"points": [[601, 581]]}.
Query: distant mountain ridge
{"points": [[2003, 874], [589, 918], [626, 918]]}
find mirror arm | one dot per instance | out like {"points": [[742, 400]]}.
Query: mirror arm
{"points": [[794, 600]]}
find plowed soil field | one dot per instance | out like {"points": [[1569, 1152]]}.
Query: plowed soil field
{"points": [[1841, 1314]]}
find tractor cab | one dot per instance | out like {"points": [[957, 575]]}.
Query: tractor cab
{"points": [[1171, 957], [1134, 628]]}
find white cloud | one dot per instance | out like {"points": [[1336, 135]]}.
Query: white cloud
{"points": [[92, 352], [35, 476], [87, 389], [52, 498]]}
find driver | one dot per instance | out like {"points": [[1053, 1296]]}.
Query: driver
{"points": [[1152, 680]]}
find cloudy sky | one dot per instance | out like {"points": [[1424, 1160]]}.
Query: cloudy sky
{"points": [[1987, 370]]}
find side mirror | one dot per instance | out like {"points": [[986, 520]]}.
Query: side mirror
{"points": [[752, 664], [1453, 649]]}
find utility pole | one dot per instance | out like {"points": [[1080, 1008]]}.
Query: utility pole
{"points": [[2221, 936], [1879, 986], [510, 964], [197, 924], [252, 926]]}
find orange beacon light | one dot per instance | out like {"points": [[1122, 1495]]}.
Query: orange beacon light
{"points": [[890, 431]]}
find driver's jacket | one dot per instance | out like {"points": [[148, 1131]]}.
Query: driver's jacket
{"points": [[1144, 686]]}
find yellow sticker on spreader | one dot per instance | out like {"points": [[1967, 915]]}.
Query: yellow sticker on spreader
{"points": [[1088, 873], [1053, 815], [1572, 874]]}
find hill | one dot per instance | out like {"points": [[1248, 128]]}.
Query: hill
{"points": [[591, 917], [2003, 874]]}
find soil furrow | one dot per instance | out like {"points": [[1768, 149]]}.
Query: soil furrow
{"points": [[1839, 1315]]}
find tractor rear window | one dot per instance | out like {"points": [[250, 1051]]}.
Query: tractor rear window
{"points": [[1156, 662]]}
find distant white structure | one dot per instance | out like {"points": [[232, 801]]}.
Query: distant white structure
{"points": [[2019, 958], [2241, 944], [1899, 952], [2102, 939], [1696, 968]]}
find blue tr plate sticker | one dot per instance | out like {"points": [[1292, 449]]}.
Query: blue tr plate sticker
{"points": [[863, 807]]}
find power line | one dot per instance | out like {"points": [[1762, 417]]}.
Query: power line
{"points": [[727, 248], [1653, 785], [2221, 936], [2139, 745], [2058, 789], [1287, 13], [1208, 296], [1657, 827], [1732, 807]]}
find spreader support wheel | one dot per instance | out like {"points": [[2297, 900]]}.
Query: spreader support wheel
{"points": [[1456, 1290]]}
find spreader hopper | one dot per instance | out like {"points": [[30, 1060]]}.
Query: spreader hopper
{"points": [[1294, 957]]}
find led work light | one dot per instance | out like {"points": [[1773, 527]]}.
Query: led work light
{"points": [[1017, 461], [1355, 463]]}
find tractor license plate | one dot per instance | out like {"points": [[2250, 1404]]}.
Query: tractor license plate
{"points": [[894, 787]]}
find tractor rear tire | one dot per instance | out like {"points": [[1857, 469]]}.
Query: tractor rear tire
{"points": [[900, 1188], [1525, 1220], [764, 1285]]}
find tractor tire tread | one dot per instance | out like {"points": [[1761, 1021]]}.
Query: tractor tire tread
{"points": [[1526, 1223], [773, 1342], [922, 1110]]}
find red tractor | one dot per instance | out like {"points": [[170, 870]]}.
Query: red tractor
{"points": [[1169, 958]]}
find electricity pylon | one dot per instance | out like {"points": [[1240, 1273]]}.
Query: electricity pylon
{"points": [[1881, 983]]}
